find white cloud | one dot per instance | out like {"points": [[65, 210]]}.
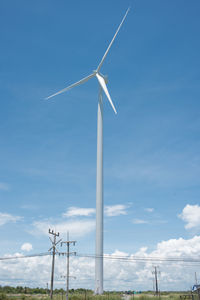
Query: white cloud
{"points": [[149, 209], [109, 210], [7, 218], [179, 247], [78, 211], [4, 186], [115, 210], [191, 215], [139, 221], [36, 271], [26, 247], [76, 229]]}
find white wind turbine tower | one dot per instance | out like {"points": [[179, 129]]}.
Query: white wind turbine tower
{"points": [[99, 176]]}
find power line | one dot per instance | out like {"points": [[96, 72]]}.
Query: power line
{"points": [[143, 259], [24, 256], [194, 260]]}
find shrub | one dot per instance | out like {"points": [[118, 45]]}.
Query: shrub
{"points": [[3, 296]]}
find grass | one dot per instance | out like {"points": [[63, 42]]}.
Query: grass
{"points": [[90, 296]]}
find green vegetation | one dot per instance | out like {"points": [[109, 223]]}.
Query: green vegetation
{"points": [[3, 296], [26, 293]]}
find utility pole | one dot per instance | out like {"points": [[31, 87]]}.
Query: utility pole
{"points": [[197, 286], [53, 248], [153, 285], [156, 279], [47, 288], [68, 242], [67, 289], [195, 274]]}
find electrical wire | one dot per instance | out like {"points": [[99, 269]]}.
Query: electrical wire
{"points": [[194, 260], [25, 256], [142, 259]]}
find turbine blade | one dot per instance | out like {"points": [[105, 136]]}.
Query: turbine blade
{"points": [[72, 85], [102, 60], [104, 87]]}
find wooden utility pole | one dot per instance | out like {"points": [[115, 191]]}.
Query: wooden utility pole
{"points": [[156, 280], [68, 254], [53, 249]]}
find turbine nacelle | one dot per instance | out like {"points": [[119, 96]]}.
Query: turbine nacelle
{"points": [[104, 76]]}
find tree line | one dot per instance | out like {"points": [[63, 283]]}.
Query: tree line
{"points": [[27, 290]]}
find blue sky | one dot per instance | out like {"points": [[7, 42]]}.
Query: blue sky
{"points": [[151, 147]]}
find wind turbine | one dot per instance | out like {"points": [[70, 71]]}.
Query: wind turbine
{"points": [[99, 175]]}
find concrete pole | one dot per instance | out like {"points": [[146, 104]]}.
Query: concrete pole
{"points": [[67, 287], [53, 258], [195, 274], [99, 200], [52, 267], [156, 280]]}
